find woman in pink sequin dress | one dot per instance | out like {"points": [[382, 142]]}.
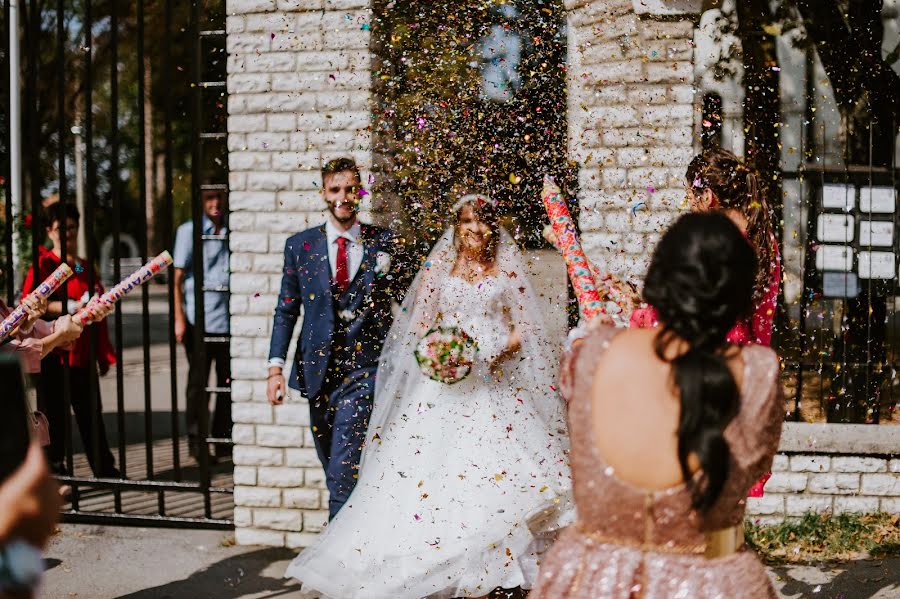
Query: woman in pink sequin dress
{"points": [[719, 180], [670, 427]]}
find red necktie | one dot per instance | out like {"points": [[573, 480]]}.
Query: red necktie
{"points": [[341, 272]]}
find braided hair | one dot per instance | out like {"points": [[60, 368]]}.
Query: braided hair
{"points": [[737, 187]]}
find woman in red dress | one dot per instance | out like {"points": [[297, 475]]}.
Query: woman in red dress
{"points": [[719, 180], [62, 227]]}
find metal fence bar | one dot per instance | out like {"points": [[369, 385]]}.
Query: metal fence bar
{"points": [[116, 199], [169, 236], [869, 282], [892, 350], [197, 255], [9, 265], [63, 199], [145, 250], [144, 485], [135, 520]]}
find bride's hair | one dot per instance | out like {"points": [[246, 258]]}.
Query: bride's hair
{"points": [[484, 211], [700, 281]]}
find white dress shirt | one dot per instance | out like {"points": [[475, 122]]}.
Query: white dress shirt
{"points": [[354, 248]]}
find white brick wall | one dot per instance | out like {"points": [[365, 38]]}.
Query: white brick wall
{"points": [[631, 116], [299, 90], [821, 483], [299, 83]]}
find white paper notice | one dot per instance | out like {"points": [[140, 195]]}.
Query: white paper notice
{"points": [[835, 227], [876, 265], [879, 233], [840, 284], [838, 196], [834, 257], [877, 199]]}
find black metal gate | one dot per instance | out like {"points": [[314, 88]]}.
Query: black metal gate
{"points": [[123, 114], [838, 338]]}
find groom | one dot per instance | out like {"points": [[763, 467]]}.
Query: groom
{"points": [[343, 276]]}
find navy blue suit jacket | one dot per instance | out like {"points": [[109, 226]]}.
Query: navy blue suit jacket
{"points": [[307, 284]]}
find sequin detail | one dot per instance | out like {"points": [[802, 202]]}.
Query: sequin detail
{"points": [[635, 544]]}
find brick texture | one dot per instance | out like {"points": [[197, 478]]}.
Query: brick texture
{"points": [[300, 93], [631, 115], [299, 90]]}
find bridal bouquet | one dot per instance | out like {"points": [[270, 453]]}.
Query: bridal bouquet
{"points": [[446, 354]]}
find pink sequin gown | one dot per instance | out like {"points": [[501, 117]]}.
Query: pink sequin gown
{"points": [[632, 543]]}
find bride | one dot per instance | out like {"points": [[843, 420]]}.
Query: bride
{"points": [[460, 484]]}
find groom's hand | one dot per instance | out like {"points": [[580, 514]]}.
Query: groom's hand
{"points": [[275, 390]]}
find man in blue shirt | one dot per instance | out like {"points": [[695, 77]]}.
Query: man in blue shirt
{"points": [[216, 317]]}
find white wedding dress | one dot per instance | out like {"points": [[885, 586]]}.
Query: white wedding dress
{"points": [[460, 484]]}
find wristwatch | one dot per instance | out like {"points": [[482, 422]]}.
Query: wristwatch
{"points": [[21, 566]]}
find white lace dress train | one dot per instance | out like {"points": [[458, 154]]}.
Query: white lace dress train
{"points": [[459, 486]]}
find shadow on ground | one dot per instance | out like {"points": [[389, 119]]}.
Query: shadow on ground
{"points": [[232, 578], [862, 579]]}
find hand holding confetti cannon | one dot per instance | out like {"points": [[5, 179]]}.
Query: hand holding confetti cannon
{"points": [[43, 291], [98, 307], [576, 262]]}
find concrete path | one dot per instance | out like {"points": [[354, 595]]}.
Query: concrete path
{"points": [[138, 563]]}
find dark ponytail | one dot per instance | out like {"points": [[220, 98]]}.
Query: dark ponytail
{"points": [[701, 282]]}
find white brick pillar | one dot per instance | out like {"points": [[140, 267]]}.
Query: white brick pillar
{"points": [[299, 85], [631, 121]]}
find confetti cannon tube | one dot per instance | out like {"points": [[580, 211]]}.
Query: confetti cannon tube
{"points": [[43, 291], [576, 262], [135, 280]]}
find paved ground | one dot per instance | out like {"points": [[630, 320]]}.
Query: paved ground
{"points": [[138, 563]]}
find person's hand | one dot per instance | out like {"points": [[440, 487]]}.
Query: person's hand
{"points": [[550, 235], [275, 391], [514, 343], [69, 328], [30, 501], [99, 310], [601, 320], [35, 307], [180, 328]]}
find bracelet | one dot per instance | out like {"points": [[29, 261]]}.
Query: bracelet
{"points": [[281, 374]]}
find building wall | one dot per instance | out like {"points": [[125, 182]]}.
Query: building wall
{"points": [[631, 120], [300, 93], [299, 85], [839, 468]]}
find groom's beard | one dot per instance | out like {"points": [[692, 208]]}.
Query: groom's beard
{"points": [[343, 219]]}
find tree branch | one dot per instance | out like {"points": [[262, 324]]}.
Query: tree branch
{"points": [[868, 74]]}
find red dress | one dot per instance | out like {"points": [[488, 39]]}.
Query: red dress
{"points": [[755, 330], [79, 356]]}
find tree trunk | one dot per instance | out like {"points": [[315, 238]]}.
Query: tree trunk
{"points": [[865, 87], [148, 157], [762, 99]]}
